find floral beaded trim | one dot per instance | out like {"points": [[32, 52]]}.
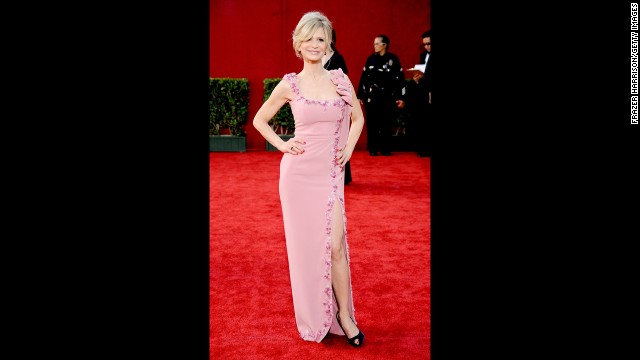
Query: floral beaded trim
{"points": [[291, 78], [328, 291]]}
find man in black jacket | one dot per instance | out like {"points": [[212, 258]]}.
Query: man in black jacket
{"points": [[381, 90], [418, 103]]}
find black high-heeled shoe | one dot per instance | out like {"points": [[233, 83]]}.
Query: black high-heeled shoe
{"points": [[355, 341]]}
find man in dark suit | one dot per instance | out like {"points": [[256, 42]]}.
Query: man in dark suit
{"points": [[419, 102], [426, 42], [381, 90]]}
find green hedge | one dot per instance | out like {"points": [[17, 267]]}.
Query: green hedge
{"points": [[282, 123], [228, 105]]}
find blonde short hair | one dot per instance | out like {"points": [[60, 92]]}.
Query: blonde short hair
{"points": [[308, 24]]}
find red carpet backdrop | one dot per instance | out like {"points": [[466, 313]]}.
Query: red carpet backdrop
{"points": [[388, 224]]}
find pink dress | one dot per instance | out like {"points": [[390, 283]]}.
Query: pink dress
{"points": [[311, 184]]}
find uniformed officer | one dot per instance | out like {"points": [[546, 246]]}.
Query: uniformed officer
{"points": [[381, 90]]}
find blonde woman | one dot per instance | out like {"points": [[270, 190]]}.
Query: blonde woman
{"points": [[328, 123]]}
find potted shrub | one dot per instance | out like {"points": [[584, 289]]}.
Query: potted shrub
{"points": [[228, 111], [282, 123]]}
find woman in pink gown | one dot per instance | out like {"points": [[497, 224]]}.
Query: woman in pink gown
{"points": [[328, 123]]}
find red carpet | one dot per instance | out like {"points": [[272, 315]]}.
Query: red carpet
{"points": [[388, 224]]}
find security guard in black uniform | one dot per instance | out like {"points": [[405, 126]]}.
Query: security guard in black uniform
{"points": [[381, 90]]}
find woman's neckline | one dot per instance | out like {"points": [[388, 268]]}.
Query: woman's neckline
{"points": [[317, 100]]}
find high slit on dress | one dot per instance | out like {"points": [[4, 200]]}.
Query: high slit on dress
{"points": [[311, 186]]}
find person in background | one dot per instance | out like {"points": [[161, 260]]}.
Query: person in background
{"points": [[418, 102], [333, 60], [381, 90], [426, 42], [328, 123]]}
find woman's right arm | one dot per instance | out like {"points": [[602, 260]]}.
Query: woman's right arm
{"points": [[280, 95]]}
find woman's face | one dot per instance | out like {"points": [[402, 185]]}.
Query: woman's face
{"points": [[314, 48]]}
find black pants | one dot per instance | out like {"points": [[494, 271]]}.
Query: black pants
{"points": [[420, 130], [347, 172], [379, 121]]}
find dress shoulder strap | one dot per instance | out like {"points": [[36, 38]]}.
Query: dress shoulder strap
{"points": [[337, 72], [291, 79]]}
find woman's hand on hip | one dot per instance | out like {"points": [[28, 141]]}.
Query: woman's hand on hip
{"points": [[293, 146], [342, 156]]}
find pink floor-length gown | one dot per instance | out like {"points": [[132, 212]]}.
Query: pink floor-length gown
{"points": [[311, 185]]}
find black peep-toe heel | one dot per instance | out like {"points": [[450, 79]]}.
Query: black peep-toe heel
{"points": [[355, 341]]}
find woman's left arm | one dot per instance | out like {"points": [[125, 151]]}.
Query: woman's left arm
{"points": [[357, 123]]}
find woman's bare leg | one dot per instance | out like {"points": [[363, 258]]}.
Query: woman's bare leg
{"points": [[340, 271]]}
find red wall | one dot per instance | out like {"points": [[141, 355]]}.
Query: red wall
{"points": [[252, 39]]}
